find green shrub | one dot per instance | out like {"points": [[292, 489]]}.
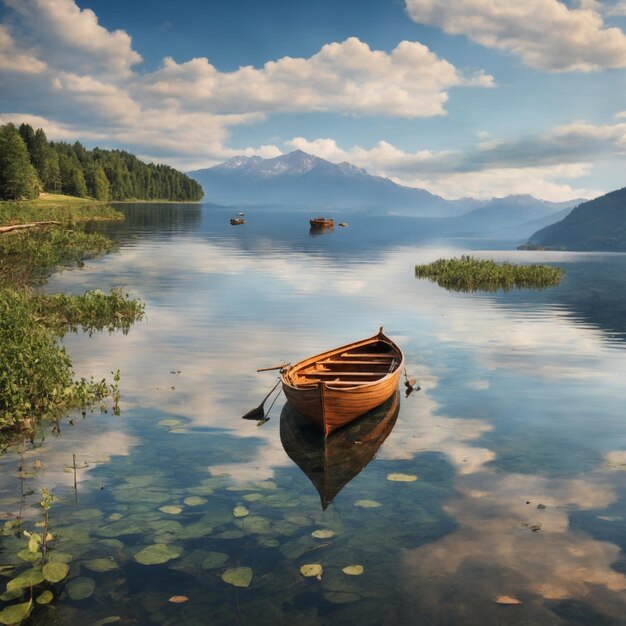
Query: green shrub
{"points": [[36, 376]]}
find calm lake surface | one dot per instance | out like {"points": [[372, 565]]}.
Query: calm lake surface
{"points": [[517, 438]]}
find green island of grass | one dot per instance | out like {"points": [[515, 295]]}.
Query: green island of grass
{"points": [[472, 274], [36, 375]]}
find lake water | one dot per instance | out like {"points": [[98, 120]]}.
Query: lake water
{"points": [[517, 438]]}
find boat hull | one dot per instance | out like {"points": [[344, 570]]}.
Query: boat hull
{"points": [[331, 405]]}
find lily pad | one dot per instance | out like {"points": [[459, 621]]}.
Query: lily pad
{"points": [[402, 478], [268, 542], [105, 564], [80, 588], [194, 501], [253, 497], [255, 524], [194, 531], [16, 613], [28, 556], [295, 549], [178, 599], [7, 596], [267, 484], [312, 569], [171, 510], [367, 504], [298, 519], [29, 578], [213, 560], [285, 528], [55, 572], [240, 511], [169, 423], [323, 534], [59, 557], [238, 576], [45, 598], [231, 534], [157, 553], [507, 600], [353, 570]]}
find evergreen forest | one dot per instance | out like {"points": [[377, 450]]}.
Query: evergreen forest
{"points": [[30, 164]]}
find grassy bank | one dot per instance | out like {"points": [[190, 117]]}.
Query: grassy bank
{"points": [[36, 375], [471, 274], [64, 209]]}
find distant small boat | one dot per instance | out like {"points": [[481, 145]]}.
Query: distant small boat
{"points": [[235, 221], [335, 387], [343, 224], [322, 222], [332, 462], [241, 214]]}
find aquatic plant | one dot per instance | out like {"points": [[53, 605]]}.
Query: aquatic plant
{"points": [[29, 256], [31, 585], [36, 376], [472, 274]]}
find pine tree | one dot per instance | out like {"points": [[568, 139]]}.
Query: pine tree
{"points": [[97, 182], [72, 177], [18, 178], [46, 162], [28, 135]]}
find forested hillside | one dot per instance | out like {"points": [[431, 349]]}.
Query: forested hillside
{"points": [[599, 224], [29, 164]]}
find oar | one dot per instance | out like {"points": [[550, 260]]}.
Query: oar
{"points": [[276, 367], [409, 382], [258, 413]]}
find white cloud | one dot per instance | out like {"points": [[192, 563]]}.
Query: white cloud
{"points": [[70, 35], [618, 8], [346, 77], [15, 59], [546, 182], [545, 34], [452, 174], [183, 112]]}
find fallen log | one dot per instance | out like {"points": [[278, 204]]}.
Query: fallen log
{"points": [[8, 229]]}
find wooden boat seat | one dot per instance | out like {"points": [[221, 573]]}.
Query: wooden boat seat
{"points": [[369, 355], [383, 362], [332, 383], [342, 374]]}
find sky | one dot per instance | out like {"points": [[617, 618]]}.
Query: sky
{"points": [[480, 98]]}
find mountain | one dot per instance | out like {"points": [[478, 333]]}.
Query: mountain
{"points": [[599, 224], [302, 180], [515, 216]]}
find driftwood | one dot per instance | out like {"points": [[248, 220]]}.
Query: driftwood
{"points": [[8, 229]]}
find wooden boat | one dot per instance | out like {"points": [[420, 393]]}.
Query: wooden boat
{"points": [[235, 221], [322, 222], [335, 387], [332, 462]]}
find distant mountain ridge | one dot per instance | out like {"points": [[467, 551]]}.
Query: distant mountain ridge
{"points": [[307, 181], [598, 224], [302, 180]]}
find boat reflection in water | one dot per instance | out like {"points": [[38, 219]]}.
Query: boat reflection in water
{"points": [[332, 462]]}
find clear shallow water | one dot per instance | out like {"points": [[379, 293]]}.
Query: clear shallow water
{"points": [[522, 404]]}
